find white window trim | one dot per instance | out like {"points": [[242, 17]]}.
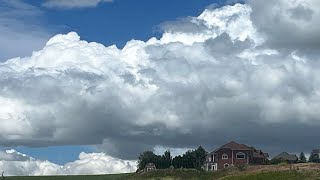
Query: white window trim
{"points": [[241, 153], [224, 166], [225, 156], [214, 167]]}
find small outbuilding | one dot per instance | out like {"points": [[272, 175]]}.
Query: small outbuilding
{"points": [[150, 167]]}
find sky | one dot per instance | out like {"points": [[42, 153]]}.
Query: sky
{"points": [[93, 83], [105, 22]]}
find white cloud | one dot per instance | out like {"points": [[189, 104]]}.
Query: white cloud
{"points": [[173, 151], [98, 163], [233, 20], [13, 155], [288, 24], [69, 4], [13, 163], [218, 79]]}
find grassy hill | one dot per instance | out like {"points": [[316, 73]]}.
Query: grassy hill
{"points": [[306, 171]]}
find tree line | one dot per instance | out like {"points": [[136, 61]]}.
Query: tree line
{"points": [[312, 158], [192, 159]]}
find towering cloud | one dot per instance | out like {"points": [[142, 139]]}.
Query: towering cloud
{"points": [[13, 163], [235, 72]]}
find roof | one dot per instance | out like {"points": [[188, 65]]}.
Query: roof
{"points": [[150, 165], [286, 156], [317, 151], [235, 146], [258, 154]]}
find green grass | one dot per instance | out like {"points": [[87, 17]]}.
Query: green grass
{"points": [[276, 175], [156, 175], [180, 174]]}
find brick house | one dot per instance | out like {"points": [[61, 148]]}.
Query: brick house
{"points": [[234, 154]]}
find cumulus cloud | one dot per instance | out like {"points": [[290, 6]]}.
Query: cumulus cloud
{"points": [[13, 155], [69, 4], [288, 24], [14, 163], [223, 77]]}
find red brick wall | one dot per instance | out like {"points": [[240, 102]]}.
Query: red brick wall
{"points": [[240, 161], [221, 162]]}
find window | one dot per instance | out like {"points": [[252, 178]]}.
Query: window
{"points": [[212, 158], [224, 156], [240, 155], [226, 165]]}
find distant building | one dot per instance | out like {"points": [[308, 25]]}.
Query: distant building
{"points": [[259, 157], [234, 154], [150, 167], [284, 156], [316, 152]]}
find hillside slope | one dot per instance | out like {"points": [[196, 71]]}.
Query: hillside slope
{"points": [[307, 171]]}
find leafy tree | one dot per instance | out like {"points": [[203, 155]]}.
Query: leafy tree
{"points": [[145, 158], [190, 159], [302, 158]]}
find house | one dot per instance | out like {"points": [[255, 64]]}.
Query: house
{"points": [[259, 157], [150, 167], [284, 156], [233, 154], [316, 152]]}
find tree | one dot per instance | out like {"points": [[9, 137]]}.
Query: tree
{"points": [[200, 157], [191, 159], [167, 159], [145, 158], [314, 158], [302, 158], [275, 161], [177, 162]]}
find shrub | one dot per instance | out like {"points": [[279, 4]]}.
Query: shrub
{"points": [[275, 161], [242, 167]]}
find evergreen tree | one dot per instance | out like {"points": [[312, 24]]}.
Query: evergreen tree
{"points": [[302, 158], [167, 159], [200, 157], [314, 158]]}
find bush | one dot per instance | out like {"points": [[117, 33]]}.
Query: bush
{"points": [[283, 163], [242, 167], [275, 161]]}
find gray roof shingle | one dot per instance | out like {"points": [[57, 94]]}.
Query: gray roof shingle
{"points": [[286, 156]]}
